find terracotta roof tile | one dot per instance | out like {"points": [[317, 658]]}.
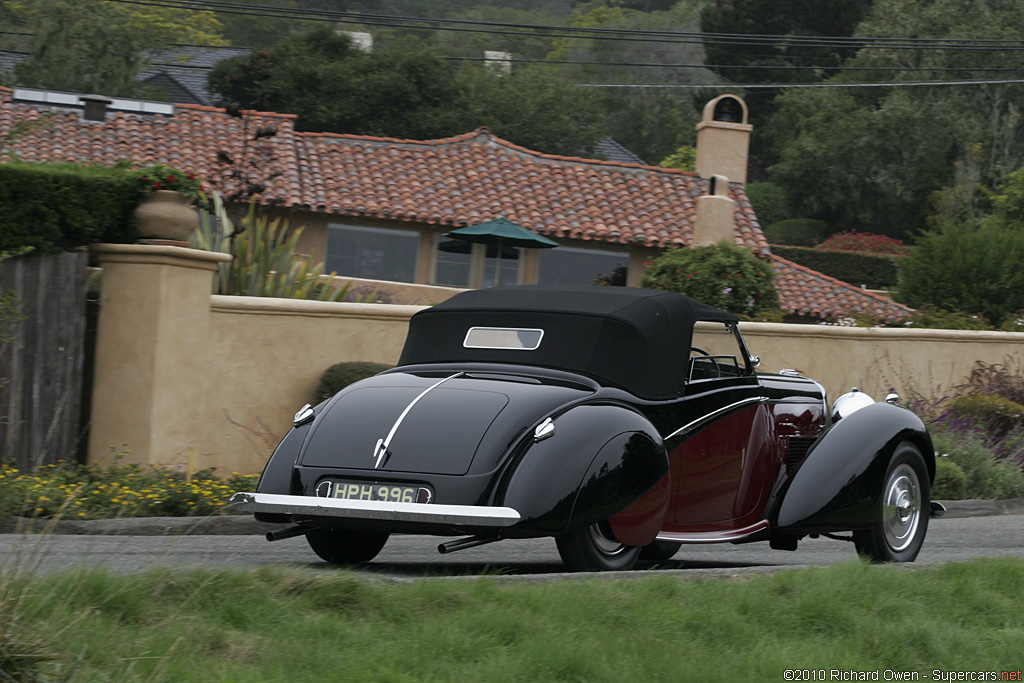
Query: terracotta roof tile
{"points": [[809, 293], [455, 181]]}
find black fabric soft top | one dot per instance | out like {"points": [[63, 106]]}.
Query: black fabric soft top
{"points": [[636, 339]]}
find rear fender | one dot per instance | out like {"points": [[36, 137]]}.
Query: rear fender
{"points": [[838, 485], [600, 461], [278, 475]]}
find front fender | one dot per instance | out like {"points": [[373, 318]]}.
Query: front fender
{"points": [[838, 485], [601, 460]]}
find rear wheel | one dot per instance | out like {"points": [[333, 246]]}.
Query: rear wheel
{"points": [[902, 517], [595, 549], [346, 547]]}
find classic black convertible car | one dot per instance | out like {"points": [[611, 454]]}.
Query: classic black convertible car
{"points": [[622, 422]]}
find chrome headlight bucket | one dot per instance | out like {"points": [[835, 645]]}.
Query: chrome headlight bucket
{"points": [[849, 403]]}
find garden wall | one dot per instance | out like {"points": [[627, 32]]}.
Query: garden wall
{"points": [[184, 378]]}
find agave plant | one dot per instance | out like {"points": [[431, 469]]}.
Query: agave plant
{"points": [[264, 262]]}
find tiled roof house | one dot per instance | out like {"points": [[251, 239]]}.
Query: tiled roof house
{"points": [[378, 208]]}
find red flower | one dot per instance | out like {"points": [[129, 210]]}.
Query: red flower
{"points": [[171, 178], [157, 185]]}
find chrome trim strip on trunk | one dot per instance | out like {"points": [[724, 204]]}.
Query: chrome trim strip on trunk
{"points": [[713, 536], [714, 415], [381, 449], [472, 515]]}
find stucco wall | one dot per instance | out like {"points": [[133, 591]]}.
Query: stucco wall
{"points": [[180, 371]]}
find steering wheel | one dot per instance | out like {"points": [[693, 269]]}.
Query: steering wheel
{"points": [[707, 361]]}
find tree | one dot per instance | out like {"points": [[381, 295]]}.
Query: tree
{"points": [[749, 62], [333, 86], [650, 122], [99, 47], [830, 18], [408, 93], [872, 158]]}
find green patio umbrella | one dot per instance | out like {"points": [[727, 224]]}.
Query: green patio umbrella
{"points": [[502, 233]]}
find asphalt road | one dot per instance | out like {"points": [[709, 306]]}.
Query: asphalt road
{"points": [[410, 557]]}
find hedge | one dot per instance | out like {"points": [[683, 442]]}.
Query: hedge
{"points": [[797, 232], [58, 207], [871, 270]]}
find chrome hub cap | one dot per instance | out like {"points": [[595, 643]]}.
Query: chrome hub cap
{"points": [[901, 511], [604, 540]]}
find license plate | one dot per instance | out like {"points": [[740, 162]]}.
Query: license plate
{"points": [[391, 493]]}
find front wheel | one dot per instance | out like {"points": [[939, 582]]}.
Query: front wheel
{"points": [[902, 517], [594, 548], [346, 547]]}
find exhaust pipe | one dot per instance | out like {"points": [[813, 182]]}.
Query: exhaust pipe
{"points": [[289, 532], [463, 543]]}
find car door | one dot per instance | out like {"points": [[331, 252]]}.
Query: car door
{"points": [[720, 455]]}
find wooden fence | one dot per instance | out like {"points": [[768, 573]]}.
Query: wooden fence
{"points": [[42, 358]]}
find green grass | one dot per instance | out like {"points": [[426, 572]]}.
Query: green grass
{"points": [[288, 625]]}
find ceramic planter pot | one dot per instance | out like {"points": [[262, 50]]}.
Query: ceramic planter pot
{"points": [[166, 215]]}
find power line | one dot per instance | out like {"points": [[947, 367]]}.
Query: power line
{"points": [[743, 66], [768, 86], [586, 33]]}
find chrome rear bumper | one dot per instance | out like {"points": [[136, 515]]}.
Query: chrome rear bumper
{"points": [[470, 515]]}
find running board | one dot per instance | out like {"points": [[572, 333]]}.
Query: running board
{"points": [[713, 536]]}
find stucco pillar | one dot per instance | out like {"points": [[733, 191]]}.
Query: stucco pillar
{"points": [[715, 214], [151, 352]]}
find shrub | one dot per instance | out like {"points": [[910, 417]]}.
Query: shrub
{"points": [[684, 158], [264, 262], [999, 379], [998, 416], [871, 243], [340, 375], [721, 275], [797, 232], [57, 207], [938, 319], [985, 476], [950, 480], [94, 492], [964, 267]]}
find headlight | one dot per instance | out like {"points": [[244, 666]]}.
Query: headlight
{"points": [[849, 403]]}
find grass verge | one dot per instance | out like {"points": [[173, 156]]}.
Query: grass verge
{"points": [[287, 625]]}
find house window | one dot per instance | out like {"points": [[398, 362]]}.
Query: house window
{"points": [[503, 268], [372, 253], [454, 259], [569, 266], [458, 263]]}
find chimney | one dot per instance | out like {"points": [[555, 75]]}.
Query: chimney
{"points": [[715, 214], [95, 107], [723, 139]]}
